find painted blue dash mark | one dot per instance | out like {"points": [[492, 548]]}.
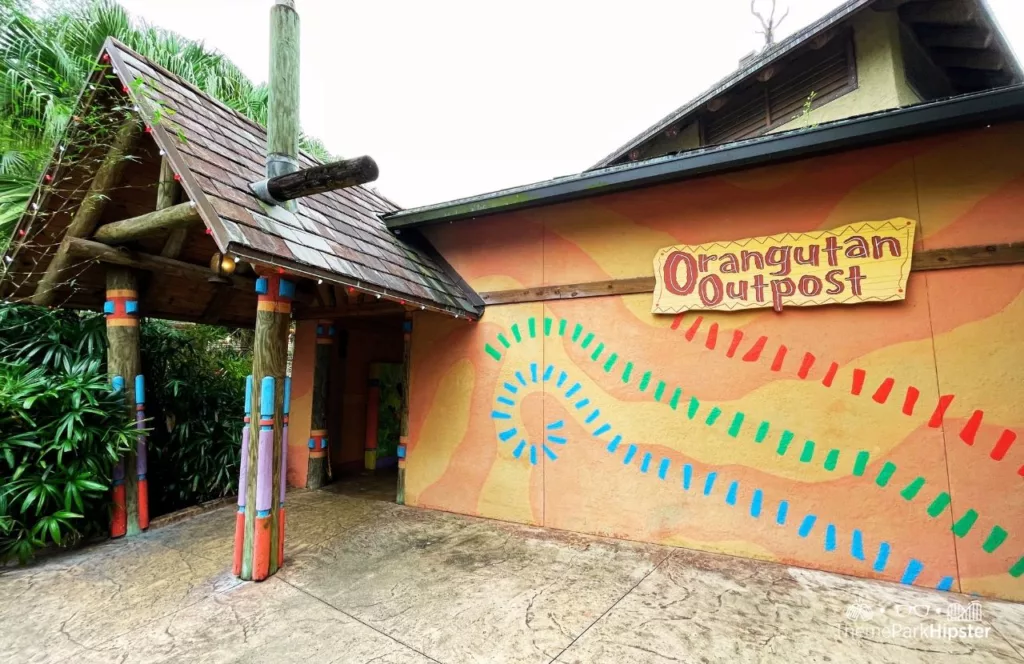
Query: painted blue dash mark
{"points": [[498, 415], [730, 495], [630, 453], [645, 464], [511, 388], [663, 468], [561, 379], [582, 403], [912, 571], [507, 434], [882, 558], [518, 452], [533, 455], [755, 503], [549, 453], [945, 584], [593, 416], [533, 371], [521, 378], [603, 429], [780, 516], [506, 401], [556, 425], [806, 525], [614, 445], [687, 476], [709, 483], [830, 537], [573, 390], [857, 545], [557, 440], [547, 372]]}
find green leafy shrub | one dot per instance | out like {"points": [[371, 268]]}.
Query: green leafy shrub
{"points": [[61, 430], [195, 395]]}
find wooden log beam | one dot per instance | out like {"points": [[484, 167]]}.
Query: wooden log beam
{"points": [[969, 59], [937, 37], [326, 177], [165, 266], [108, 175], [945, 12], [168, 192], [178, 216], [222, 294], [933, 259]]}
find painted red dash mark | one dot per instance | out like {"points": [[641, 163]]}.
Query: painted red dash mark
{"points": [[1020, 471], [737, 337], [831, 375], [712, 337], [755, 351], [677, 321], [805, 366], [780, 356], [1003, 445], [693, 328], [882, 393], [970, 430], [911, 400], [858, 381], [940, 411]]}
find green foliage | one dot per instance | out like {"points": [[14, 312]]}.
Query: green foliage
{"points": [[61, 430], [195, 394], [46, 55]]}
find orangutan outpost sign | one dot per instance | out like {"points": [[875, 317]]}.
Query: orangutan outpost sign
{"points": [[862, 262]]}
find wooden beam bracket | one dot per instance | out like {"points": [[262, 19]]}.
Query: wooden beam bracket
{"points": [[1011, 253]]}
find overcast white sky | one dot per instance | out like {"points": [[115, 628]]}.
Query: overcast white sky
{"points": [[459, 97]]}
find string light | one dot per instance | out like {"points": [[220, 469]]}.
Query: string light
{"points": [[319, 281]]}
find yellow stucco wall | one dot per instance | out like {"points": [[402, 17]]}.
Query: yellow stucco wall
{"points": [[881, 81]]}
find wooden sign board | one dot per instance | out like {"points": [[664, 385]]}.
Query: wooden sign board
{"points": [[863, 262]]}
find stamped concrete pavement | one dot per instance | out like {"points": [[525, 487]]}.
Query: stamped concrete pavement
{"points": [[370, 581]]}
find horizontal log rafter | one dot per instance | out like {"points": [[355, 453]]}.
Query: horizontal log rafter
{"points": [[152, 223]]}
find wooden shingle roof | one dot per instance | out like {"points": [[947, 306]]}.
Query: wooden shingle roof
{"points": [[336, 236]]}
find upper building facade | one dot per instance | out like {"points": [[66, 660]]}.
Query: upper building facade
{"points": [[865, 56]]}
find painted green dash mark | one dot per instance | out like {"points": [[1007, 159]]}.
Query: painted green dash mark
{"points": [[492, 352], [861, 464], [832, 460], [994, 539], [965, 523], [885, 474], [938, 505], [912, 489]]}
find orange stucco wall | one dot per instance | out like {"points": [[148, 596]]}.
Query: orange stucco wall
{"points": [[301, 408], [765, 454]]}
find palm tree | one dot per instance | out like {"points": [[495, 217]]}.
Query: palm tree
{"points": [[47, 53]]}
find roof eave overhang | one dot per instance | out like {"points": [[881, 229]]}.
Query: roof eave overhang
{"points": [[1000, 105]]}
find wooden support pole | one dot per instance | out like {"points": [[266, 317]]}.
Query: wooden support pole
{"points": [[319, 448], [108, 175], [403, 440], [283, 102], [178, 216], [326, 177], [262, 480], [124, 364], [168, 192], [166, 266]]}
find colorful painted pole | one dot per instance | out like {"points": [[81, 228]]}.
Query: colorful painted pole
{"points": [[130, 514], [262, 472], [372, 420], [317, 470], [243, 476], [403, 440]]}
